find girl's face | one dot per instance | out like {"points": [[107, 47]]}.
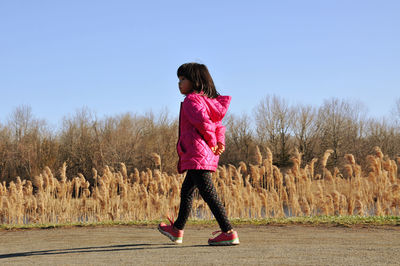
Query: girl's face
{"points": [[185, 85]]}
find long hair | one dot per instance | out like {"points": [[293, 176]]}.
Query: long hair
{"points": [[200, 77]]}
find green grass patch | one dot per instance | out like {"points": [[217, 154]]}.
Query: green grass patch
{"points": [[64, 225], [311, 220], [324, 220]]}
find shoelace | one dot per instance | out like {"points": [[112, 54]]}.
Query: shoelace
{"points": [[216, 232], [219, 231], [171, 220]]}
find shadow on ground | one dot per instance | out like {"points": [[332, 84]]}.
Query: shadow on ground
{"points": [[112, 248]]}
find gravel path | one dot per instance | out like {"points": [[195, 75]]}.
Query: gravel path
{"points": [[260, 245]]}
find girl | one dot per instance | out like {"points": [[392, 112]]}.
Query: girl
{"points": [[201, 141]]}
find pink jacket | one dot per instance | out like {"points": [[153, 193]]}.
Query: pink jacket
{"points": [[200, 129]]}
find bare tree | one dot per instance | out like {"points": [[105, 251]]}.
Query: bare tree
{"points": [[341, 127], [239, 140], [20, 120], [5, 148], [24, 155], [274, 118], [77, 143], [119, 139], [383, 134], [160, 136], [306, 128], [395, 112]]}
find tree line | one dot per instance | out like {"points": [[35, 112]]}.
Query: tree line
{"points": [[85, 142]]}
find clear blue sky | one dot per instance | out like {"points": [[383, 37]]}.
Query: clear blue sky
{"points": [[121, 56]]}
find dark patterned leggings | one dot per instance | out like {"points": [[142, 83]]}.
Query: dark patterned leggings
{"points": [[202, 180]]}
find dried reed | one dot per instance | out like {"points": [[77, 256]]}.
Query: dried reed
{"points": [[248, 191]]}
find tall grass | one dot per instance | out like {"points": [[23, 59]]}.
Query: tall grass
{"points": [[248, 191]]}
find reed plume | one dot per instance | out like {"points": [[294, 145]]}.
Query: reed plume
{"points": [[326, 157], [257, 155]]}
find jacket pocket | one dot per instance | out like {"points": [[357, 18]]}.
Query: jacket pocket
{"points": [[180, 148]]}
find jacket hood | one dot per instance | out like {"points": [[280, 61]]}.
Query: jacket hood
{"points": [[218, 107]]}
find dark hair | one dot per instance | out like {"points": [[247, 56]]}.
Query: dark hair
{"points": [[200, 77]]}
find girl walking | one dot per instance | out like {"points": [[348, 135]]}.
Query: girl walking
{"points": [[201, 141]]}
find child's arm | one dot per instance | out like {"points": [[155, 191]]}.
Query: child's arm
{"points": [[220, 132], [197, 116], [220, 135]]}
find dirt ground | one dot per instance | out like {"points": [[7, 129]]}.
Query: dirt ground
{"points": [[260, 245]]}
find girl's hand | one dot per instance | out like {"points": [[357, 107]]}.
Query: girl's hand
{"points": [[219, 149]]}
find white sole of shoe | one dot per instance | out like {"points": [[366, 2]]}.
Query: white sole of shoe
{"points": [[225, 243]]}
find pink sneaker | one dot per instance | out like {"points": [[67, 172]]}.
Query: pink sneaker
{"points": [[171, 232], [224, 239]]}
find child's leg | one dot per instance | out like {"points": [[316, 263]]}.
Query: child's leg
{"points": [[209, 194], [187, 190]]}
